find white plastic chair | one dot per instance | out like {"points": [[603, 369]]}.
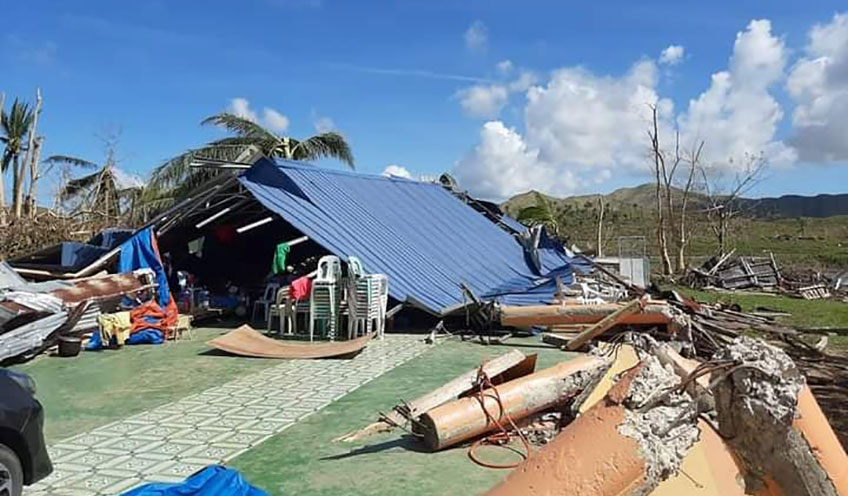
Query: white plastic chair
{"points": [[268, 299], [325, 296], [367, 297]]}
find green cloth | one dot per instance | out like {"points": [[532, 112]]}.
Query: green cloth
{"points": [[278, 266]]}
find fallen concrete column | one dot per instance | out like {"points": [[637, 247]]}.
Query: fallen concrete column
{"points": [[466, 418], [617, 447], [651, 314], [757, 404], [507, 366]]}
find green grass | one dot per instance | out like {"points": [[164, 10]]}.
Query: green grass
{"points": [[96, 388], [805, 313], [303, 460]]}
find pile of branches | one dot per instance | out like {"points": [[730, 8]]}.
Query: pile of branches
{"points": [[22, 235]]}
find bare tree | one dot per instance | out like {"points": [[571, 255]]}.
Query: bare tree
{"points": [[724, 196], [694, 164], [31, 153], [663, 178], [600, 244]]}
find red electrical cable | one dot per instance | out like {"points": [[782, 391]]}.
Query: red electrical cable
{"points": [[503, 435]]}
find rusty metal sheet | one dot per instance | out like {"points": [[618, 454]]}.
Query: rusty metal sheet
{"points": [[105, 287], [245, 341]]}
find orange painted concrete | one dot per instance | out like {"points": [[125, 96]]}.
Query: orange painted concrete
{"points": [[815, 428], [588, 458]]}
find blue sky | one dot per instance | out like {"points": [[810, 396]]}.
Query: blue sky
{"points": [[395, 79]]}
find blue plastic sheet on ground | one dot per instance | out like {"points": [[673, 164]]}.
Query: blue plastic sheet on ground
{"points": [[214, 480], [147, 336], [140, 252]]}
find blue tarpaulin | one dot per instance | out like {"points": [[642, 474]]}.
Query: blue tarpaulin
{"points": [[420, 235], [214, 480], [140, 252]]}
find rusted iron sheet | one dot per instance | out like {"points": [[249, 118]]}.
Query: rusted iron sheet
{"points": [[467, 418], [105, 287], [245, 341]]}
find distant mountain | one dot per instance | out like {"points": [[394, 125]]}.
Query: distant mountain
{"points": [[644, 197]]}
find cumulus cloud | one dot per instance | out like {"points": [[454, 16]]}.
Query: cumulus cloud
{"points": [[483, 100], [396, 171], [580, 127], [240, 107], [275, 120], [504, 66], [818, 83], [476, 37], [737, 114], [592, 123], [672, 55], [324, 124], [271, 118]]}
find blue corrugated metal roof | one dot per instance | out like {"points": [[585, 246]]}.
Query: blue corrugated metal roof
{"points": [[426, 240]]}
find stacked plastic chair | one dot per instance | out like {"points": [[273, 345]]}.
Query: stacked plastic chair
{"points": [[365, 300], [325, 297]]}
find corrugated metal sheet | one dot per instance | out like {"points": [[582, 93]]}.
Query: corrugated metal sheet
{"points": [[423, 238]]}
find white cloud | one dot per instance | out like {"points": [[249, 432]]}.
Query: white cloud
{"points": [[672, 55], [275, 120], [503, 163], [483, 100], [818, 83], [476, 37], [737, 115], [580, 127], [504, 66], [524, 81], [271, 118], [396, 171], [240, 107], [324, 124], [592, 123]]}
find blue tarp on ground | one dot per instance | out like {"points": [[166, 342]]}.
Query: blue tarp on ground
{"points": [[214, 480], [421, 236]]}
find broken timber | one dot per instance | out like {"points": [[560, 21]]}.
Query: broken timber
{"points": [[499, 366], [605, 324]]}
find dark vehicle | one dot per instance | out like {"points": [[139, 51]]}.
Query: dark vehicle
{"points": [[23, 455]]}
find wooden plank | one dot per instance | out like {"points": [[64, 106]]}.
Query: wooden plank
{"points": [[605, 324]]}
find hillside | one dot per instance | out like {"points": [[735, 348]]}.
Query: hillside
{"points": [[643, 197]]}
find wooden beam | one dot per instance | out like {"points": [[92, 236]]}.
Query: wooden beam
{"points": [[605, 324]]}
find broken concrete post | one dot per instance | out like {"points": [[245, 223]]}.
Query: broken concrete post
{"points": [[605, 324], [629, 442], [510, 365], [757, 403], [653, 313], [466, 418]]}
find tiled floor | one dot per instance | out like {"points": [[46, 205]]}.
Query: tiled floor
{"points": [[175, 440]]}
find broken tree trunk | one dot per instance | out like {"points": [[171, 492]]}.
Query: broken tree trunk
{"points": [[653, 313], [450, 391], [470, 417], [613, 448], [605, 324]]}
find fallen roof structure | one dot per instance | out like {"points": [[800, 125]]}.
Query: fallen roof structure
{"points": [[425, 239]]}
